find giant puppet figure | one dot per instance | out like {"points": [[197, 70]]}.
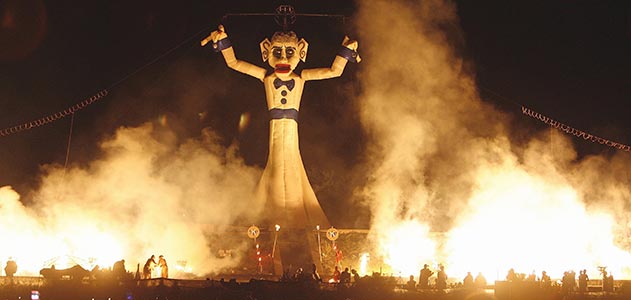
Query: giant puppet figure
{"points": [[284, 186]]}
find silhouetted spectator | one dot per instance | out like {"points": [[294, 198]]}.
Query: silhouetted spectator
{"points": [[545, 280], [164, 268], [336, 274], [423, 279], [11, 268], [531, 277], [411, 284], [147, 270], [511, 276], [610, 280], [607, 282], [441, 279], [582, 281], [345, 276], [467, 282], [118, 269], [480, 281], [355, 275], [314, 273], [568, 282]]}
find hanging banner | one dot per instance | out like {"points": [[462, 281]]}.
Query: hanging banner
{"points": [[573, 131]]}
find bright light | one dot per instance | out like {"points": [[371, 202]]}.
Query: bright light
{"points": [[535, 225], [363, 264], [513, 220], [406, 247]]}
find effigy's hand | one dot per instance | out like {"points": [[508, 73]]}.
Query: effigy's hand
{"points": [[215, 36], [352, 45]]}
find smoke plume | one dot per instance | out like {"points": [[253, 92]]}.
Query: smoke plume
{"points": [[147, 194], [442, 162]]}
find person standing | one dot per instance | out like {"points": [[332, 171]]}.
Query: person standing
{"points": [[441, 279], [480, 281], [411, 284], [468, 281], [147, 270], [582, 281], [164, 268], [356, 276], [423, 279], [11, 268], [118, 269], [314, 273], [345, 276], [336, 274]]}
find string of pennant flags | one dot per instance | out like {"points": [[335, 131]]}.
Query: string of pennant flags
{"points": [[573, 131], [526, 111], [99, 95], [54, 117]]}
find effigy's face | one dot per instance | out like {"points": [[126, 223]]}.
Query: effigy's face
{"points": [[284, 56], [284, 52]]}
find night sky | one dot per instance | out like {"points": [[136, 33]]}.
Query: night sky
{"points": [[569, 60]]}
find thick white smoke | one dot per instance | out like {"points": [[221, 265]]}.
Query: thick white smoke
{"points": [[147, 194], [442, 159]]}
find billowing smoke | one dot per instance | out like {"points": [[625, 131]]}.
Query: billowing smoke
{"points": [[149, 193], [442, 162]]}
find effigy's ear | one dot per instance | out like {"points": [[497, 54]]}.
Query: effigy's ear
{"points": [[266, 46], [302, 49]]}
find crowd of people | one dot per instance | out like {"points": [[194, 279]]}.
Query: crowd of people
{"points": [[569, 283], [441, 280], [118, 268]]}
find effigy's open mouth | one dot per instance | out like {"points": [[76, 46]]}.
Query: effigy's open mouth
{"points": [[282, 68]]}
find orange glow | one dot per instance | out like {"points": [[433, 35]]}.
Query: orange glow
{"points": [[406, 247], [533, 225], [244, 121], [163, 120], [363, 264], [514, 220]]}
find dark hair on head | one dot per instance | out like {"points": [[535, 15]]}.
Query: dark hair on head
{"points": [[284, 36]]}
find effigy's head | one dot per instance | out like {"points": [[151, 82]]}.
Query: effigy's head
{"points": [[284, 51]]}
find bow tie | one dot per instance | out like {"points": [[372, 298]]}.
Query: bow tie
{"points": [[289, 83]]}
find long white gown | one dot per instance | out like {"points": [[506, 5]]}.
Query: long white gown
{"points": [[284, 187]]}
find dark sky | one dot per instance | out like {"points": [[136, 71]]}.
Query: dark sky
{"points": [[567, 59]]}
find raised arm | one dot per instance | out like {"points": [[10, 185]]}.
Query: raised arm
{"points": [[220, 42], [348, 52]]}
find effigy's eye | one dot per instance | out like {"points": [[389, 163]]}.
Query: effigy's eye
{"points": [[290, 52], [277, 52]]}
